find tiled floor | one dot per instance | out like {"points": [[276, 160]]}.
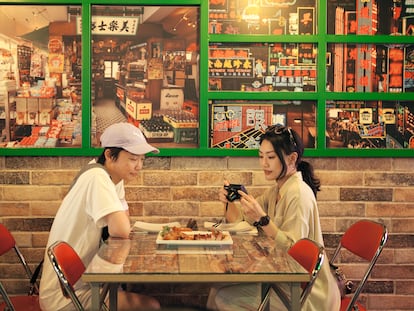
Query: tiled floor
{"points": [[107, 113]]}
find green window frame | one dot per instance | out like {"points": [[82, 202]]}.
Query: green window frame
{"points": [[321, 96]]}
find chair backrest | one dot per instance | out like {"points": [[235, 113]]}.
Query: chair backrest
{"points": [[365, 239], [68, 267], [6, 239], [7, 242], [310, 255]]}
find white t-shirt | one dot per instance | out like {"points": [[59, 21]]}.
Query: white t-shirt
{"points": [[79, 222]]}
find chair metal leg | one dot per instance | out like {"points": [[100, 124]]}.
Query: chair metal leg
{"points": [[264, 305], [96, 297], [104, 292], [282, 295], [113, 296]]}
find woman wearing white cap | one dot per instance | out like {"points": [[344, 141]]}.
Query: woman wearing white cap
{"points": [[97, 199]]}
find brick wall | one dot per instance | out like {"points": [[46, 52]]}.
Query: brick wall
{"points": [[178, 188]]}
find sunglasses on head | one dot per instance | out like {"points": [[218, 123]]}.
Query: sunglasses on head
{"points": [[279, 130]]}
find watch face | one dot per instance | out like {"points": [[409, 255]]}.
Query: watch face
{"points": [[264, 221]]}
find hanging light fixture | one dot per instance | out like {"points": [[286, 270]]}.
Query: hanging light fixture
{"points": [[251, 14], [187, 20]]}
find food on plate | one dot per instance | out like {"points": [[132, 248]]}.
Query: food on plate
{"points": [[192, 223], [184, 233]]}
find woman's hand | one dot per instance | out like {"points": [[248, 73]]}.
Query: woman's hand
{"points": [[251, 207], [232, 212], [223, 193]]}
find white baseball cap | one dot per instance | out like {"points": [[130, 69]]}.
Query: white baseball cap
{"points": [[126, 136]]}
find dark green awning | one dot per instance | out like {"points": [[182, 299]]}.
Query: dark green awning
{"points": [[39, 37]]}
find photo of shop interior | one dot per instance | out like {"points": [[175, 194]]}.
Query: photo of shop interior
{"points": [[350, 124], [144, 70], [239, 124]]}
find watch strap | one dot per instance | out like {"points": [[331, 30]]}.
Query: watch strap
{"points": [[263, 221]]}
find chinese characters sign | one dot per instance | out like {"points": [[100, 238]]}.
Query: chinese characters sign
{"points": [[227, 67], [111, 25]]}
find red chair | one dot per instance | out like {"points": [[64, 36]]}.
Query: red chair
{"points": [[310, 255], [365, 239], [69, 269], [22, 302]]}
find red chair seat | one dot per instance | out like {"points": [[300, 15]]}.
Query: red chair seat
{"points": [[345, 302], [23, 303]]}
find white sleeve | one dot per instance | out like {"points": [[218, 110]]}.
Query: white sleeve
{"points": [[102, 196], [124, 204], [121, 194]]}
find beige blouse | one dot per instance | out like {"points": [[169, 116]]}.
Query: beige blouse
{"points": [[294, 211]]}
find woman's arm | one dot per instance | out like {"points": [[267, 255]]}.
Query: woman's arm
{"points": [[254, 212]]}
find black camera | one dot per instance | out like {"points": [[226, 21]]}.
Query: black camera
{"points": [[232, 193]]}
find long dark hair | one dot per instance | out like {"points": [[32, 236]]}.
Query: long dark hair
{"points": [[284, 139]]}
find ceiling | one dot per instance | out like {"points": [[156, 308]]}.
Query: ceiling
{"points": [[29, 18]]}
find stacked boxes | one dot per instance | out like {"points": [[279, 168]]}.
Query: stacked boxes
{"points": [[21, 110], [139, 110], [34, 114], [38, 138], [184, 125], [171, 99], [156, 130], [46, 106], [34, 110]]}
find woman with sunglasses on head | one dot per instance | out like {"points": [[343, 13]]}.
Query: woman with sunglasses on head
{"points": [[286, 212]]}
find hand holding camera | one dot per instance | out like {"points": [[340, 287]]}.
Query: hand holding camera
{"points": [[232, 191]]}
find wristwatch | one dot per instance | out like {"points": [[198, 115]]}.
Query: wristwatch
{"points": [[263, 221]]}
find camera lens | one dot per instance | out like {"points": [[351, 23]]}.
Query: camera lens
{"points": [[232, 193]]}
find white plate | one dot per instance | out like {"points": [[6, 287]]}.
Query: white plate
{"points": [[226, 241], [194, 249], [151, 227]]}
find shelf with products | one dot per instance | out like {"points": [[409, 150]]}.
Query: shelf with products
{"points": [[357, 75], [155, 93], [7, 109], [44, 122]]}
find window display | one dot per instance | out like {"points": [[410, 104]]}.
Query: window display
{"points": [[280, 64], [156, 83], [262, 67], [340, 72], [375, 17], [41, 105], [371, 68], [144, 69], [239, 124], [370, 124], [266, 17]]}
